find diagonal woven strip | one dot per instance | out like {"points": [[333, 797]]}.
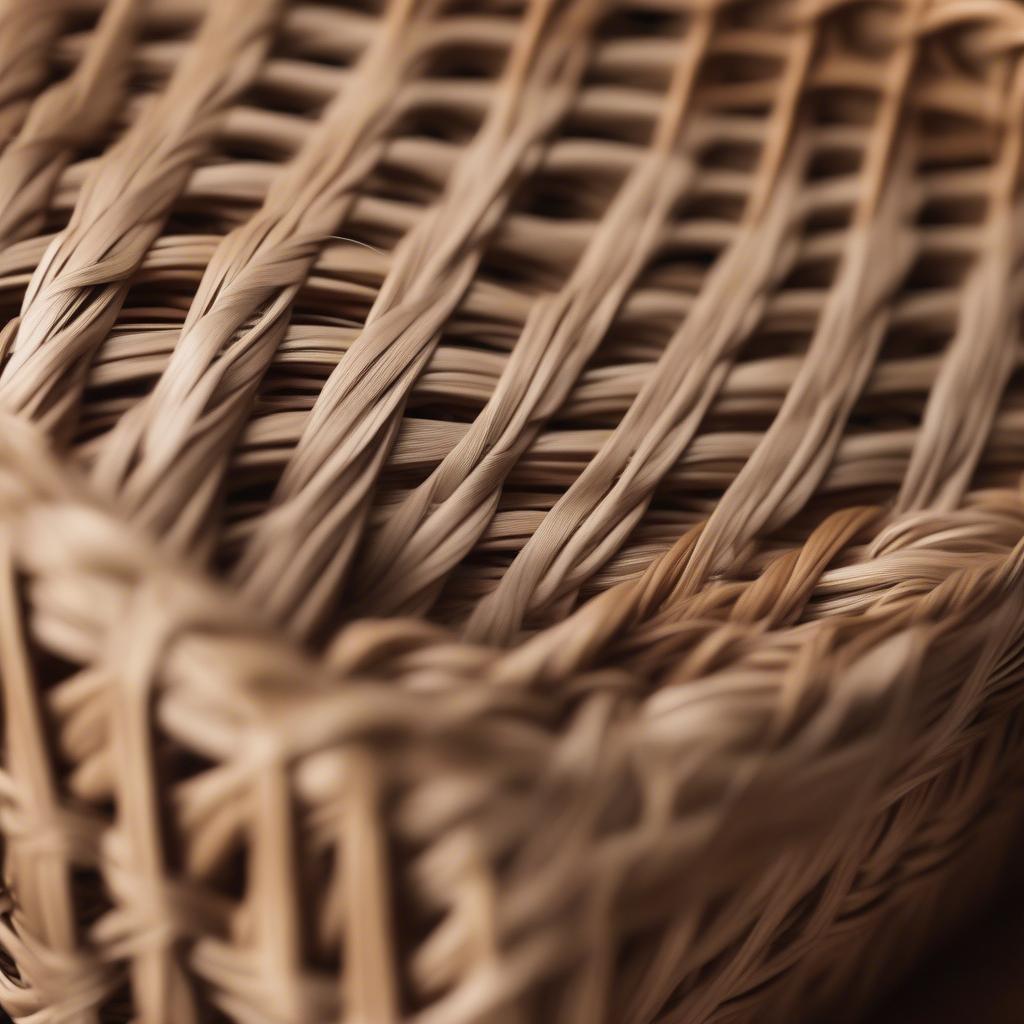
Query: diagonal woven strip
{"points": [[510, 510]]}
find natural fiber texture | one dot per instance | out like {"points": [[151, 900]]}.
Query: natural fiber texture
{"points": [[509, 510]]}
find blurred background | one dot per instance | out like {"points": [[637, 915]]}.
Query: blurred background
{"points": [[976, 979]]}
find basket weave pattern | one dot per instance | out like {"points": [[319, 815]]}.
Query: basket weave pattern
{"points": [[509, 510]]}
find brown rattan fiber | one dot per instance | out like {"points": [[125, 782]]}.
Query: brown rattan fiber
{"points": [[510, 510]]}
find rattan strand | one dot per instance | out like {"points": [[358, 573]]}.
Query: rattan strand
{"points": [[509, 511]]}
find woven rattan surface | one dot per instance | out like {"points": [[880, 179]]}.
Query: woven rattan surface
{"points": [[509, 511]]}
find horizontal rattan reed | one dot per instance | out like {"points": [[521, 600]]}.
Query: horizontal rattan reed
{"points": [[510, 510]]}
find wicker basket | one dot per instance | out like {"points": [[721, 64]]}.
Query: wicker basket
{"points": [[509, 509]]}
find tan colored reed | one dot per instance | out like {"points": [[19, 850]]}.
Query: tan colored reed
{"points": [[509, 510]]}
